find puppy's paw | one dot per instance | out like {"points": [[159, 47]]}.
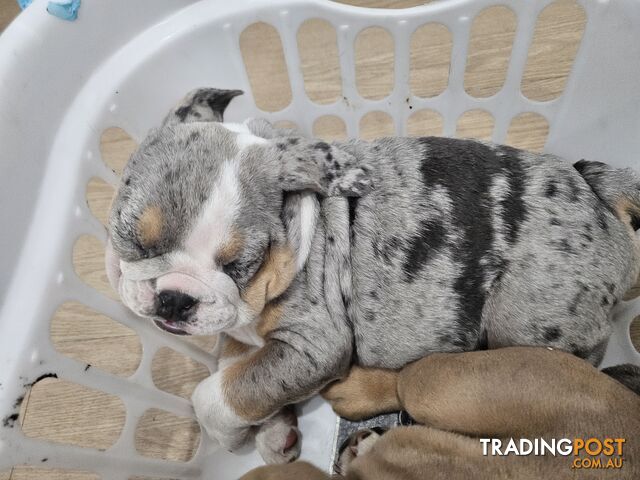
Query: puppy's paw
{"points": [[279, 440], [365, 392], [356, 446], [217, 418]]}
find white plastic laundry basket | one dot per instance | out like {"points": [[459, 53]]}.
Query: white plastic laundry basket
{"points": [[125, 62]]}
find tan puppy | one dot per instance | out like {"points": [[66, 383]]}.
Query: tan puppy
{"points": [[459, 398]]}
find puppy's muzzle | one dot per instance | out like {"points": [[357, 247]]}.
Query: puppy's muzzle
{"points": [[175, 306]]}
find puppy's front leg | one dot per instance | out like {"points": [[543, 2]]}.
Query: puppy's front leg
{"points": [[253, 389], [365, 392]]}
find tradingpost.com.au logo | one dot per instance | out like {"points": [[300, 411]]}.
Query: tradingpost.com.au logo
{"points": [[588, 453]]}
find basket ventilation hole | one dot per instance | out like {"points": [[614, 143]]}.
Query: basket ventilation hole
{"points": [[424, 123], [95, 340], [88, 262], [32, 473], [163, 435], [116, 147], [320, 66], [65, 412], [634, 331], [376, 124], [557, 36], [99, 195], [475, 124], [330, 127], [266, 67], [374, 63], [286, 124], [490, 45], [205, 342], [430, 57], [176, 373], [528, 131]]}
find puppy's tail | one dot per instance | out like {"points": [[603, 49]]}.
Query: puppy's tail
{"points": [[618, 188], [627, 374]]}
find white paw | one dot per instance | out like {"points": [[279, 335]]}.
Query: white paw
{"points": [[279, 440], [217, 418]]}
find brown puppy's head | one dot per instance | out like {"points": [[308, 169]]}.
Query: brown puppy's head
{"points": [[213, 220]]}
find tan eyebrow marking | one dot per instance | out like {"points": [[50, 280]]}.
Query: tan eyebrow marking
{"points": [[150, 225], [231, 248]]}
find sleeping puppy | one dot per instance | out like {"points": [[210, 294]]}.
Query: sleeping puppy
{"points": [[460, 398], [312, 257]]}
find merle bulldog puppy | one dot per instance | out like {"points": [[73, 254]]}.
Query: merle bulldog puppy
{"points": [[312, 257]]}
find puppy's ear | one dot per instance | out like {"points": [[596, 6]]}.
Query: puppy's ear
{"points": [[321, 167], [201, 105]]}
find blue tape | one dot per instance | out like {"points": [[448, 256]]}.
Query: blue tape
{"points": [[24, 3], [64, 9]]}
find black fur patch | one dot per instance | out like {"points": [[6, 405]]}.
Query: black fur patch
{"points": [[552, 333], [582, 290], [353, 210], [182, 112], [513, 208], [423, 246], [448, 163], [627, 374], [551, 189], [483, 341]]}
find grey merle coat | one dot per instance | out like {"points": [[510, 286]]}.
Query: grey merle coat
{"points": [[312, 256]]}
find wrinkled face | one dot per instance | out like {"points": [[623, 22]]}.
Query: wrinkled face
{"points": [[191, 227], [213, 220]]}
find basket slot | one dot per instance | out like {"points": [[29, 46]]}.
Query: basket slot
{"points": [[162, 435], [490, 47], [319, 63], [116, 147], [175, 373], [114, 309], [99, 195], [68, 413], [477, 122], [266, 67], [528, 131], [424, 122], [376, 124], [330, 127], [100, 342], [541, 79], [126, 389], [374, 67], [431, 44]]}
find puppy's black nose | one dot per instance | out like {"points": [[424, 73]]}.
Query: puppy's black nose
{"points": [[174, 306]]}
